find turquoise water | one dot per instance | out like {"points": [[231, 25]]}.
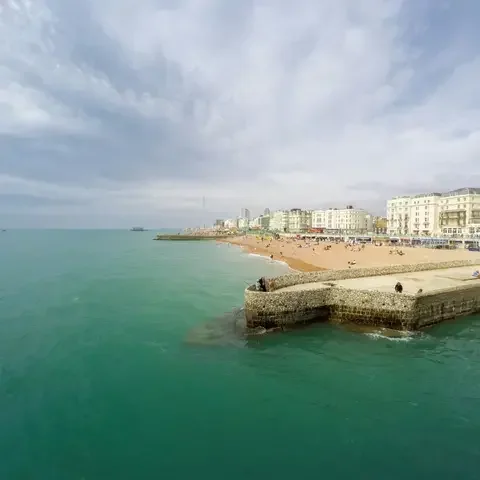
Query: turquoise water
{"points": [[114, 366]]}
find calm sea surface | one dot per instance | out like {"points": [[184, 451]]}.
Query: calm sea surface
{"points": [[117, 362]]}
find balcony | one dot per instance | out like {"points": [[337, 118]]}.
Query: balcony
{"points": [[475, 218], [453, 218]]}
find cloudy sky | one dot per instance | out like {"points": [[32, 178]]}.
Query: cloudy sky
{"points": [[122, 112]]}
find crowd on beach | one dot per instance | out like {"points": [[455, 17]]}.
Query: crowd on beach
{"points": [[309, 254]]}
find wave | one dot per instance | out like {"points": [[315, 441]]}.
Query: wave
{"points": [[378, 336], [395, 335], [268, 259]]}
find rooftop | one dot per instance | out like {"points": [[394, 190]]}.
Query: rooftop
{"points": [[451, 193]]}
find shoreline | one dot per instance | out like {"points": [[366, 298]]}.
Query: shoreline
{"points": [[308, 256], [295, 264]]}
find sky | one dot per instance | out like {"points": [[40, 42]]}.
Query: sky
{"points": [[116, 113]]}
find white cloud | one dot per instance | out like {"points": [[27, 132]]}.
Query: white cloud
{"points": [[331, 113], [296, 101]]}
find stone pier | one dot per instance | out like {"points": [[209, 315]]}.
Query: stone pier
{"points": [[432, 293]]}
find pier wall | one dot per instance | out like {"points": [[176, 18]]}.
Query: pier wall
{"points": [[447, 304], [369, 307]]}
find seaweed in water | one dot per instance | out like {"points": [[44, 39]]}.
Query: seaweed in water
{"points": [[227, 329]]}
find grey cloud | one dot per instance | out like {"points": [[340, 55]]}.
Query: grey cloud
{"points": [[13, 201], [296, 102]]}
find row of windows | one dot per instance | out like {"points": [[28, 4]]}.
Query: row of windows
{"points": [[474, 199]]}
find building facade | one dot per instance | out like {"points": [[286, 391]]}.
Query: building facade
{"points": [[413, 215], [380, 225], [279, 221], [230, 223], [243, 223], [347, 220], [454, 213], [299, 220], [459, 212], [318, 219], [261, 222]]}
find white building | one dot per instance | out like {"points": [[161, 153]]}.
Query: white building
{"points": [[260, 222], [299, 220], [255, 222], [279, 220], [231, 223], [243, 223], [343, 220], [459, 212], [453, 213], [413, 215], [318, 219]]}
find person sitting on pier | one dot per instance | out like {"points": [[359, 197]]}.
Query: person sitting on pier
{"points": [[398, 287], [261, 284]]}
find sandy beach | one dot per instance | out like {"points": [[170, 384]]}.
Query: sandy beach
{"points": [[307, 256]]}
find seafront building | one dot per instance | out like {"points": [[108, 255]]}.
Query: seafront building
{"points": [[414, 215], [453, 213], [380, 225], [243, 223], [231, 223], [343, 220], [261, 222], [279, 221], [295, 220], [299, 220]]}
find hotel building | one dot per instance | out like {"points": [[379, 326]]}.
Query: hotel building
{"points": [[279, 221], [299, 220], [454, 213], [344, 220]]}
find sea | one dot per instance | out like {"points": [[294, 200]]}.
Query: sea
{"points": [[121, 358]]}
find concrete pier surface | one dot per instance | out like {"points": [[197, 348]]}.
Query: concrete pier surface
{"points": [[432, 293], [429, 281]]}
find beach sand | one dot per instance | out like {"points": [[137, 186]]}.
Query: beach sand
{"points": [[312, 257]]}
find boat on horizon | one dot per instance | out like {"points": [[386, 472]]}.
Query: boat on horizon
{"points": [[138, 229]]}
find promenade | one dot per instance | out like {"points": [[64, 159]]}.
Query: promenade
{"points": [[429, 281]]}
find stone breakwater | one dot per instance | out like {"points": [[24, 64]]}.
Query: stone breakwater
{"points": [[316, 296]]}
